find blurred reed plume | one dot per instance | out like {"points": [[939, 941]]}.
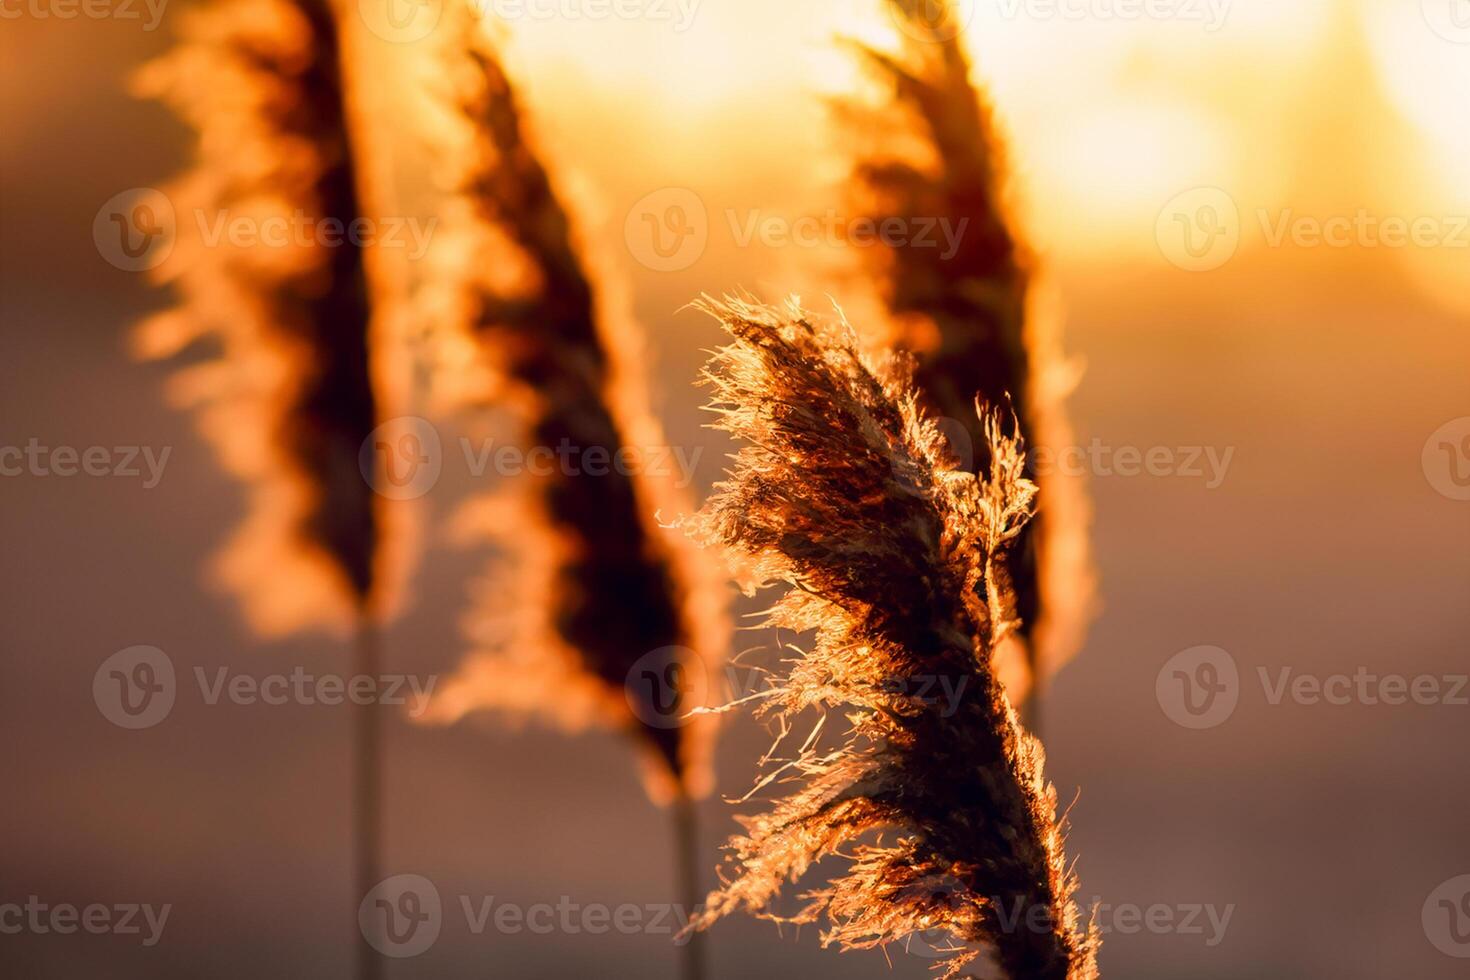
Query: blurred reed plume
{"points": [[600, 617], [290, 400], [971, 318], [846, 491], [602, 587]]}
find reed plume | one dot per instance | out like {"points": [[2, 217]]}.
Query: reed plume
{"points": [[847, 493], [971, 318], [290, 399], [607, 613]]}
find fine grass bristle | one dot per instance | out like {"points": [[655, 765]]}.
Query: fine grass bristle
{"points": [[895, 560]]}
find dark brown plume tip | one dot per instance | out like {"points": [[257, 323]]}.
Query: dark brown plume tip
{"points": [[334, 411], [846, 493]]}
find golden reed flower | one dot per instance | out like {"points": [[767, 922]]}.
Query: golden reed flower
{"points": [[595, 598], [973, 318], [896, 560], [292, 394]]}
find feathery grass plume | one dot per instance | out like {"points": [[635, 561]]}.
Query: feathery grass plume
{"points": [[602, 587], [291, 399], [972, 317], [846, 492]]}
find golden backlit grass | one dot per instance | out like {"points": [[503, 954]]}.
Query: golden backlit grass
{"points": [[845, 493]]}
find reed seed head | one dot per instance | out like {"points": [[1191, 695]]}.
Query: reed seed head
{"points": [[846, 493]]}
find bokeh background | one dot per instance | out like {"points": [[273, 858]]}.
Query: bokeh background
{"points": [[1334, 542]]}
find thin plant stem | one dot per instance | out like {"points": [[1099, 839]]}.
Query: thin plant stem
{"points": [[686, 867], [366, 793]]}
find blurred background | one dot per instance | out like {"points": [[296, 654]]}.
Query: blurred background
{"points": [[1253, 220]]}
